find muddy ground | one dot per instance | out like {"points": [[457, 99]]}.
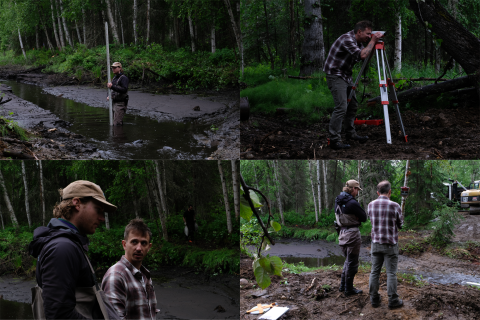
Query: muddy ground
{"points": [[433, 134], [442, 298], [181, 293], [218, 109]]}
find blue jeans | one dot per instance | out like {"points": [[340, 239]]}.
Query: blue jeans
{"points": [[389, 254]]}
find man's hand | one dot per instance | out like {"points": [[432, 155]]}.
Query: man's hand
{"points": [[108, 98], [109, 84], [376, 36]]}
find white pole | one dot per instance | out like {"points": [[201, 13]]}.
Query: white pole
{"points": [[110, 108]]}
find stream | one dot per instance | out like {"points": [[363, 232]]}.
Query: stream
{"points": [[319, 253], [139, 138], [182, 293]]}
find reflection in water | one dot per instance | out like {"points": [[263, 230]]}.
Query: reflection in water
{"points": [[15, 310], [167, 140], [316, 262]]}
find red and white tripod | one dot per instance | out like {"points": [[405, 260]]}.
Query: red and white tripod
{"points": [[384, 82]]}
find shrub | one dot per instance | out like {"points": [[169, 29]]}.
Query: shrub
{"points": [[443, 228]]}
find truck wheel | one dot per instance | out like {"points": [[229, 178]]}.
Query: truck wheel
{"points": [[475, 210]]}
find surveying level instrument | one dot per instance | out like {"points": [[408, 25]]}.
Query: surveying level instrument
{"points": [[385, 95]]}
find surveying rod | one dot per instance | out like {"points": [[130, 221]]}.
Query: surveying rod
{"points": [[110, 112]]}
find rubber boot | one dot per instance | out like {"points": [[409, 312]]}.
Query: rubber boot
{"points": [[342, 283], [349, 289]]}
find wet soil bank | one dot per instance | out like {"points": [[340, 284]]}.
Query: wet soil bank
{"points": [[433, 134], [181, 294], [432, 301], [218, 112]]}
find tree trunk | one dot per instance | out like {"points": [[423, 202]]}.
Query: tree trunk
{"points": [[21, 44], [313, 190], [421, 92], [359, 162], [236, 30], [275, 170], [397, 65], [165, 184], [148, 21], [60, 29], [84, 28], [42, 194], [50, 46], [7, 201], [405, 184], [37, 41], [267, 38], [192, 35], [132, 190], [324, 165], [160, 211], [438, 60], [1, 217], [57, 40], [113, 26], [27, 207], [225, 197], [67, 33], [313, 50], [121, 24], [135, 9], [78, 32], [160, 189], [453, 34], [236, 190], [319, 194], [212, 36], [292, 37]]}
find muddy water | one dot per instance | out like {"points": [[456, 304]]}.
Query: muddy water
{"points": [[139, 138], [181, 294], [431, 268]]}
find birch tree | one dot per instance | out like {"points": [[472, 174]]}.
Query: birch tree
{"points": [[132, 190], [111, 21], [318, 189], [397, 60], [279, 199], [67, 33], [325, 182], [212, 35], [21, 44], [236, 190], [313, 49], [7, 201], [160, 189], [135, 9], [148, 21], [236, 30], [1, 217], [225, 197], [405, 184], [42, 195], [161, 214], [27, 207], [54, 4], [192, 34], [313, 190]]}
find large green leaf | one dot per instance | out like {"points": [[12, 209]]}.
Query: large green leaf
{"points": [[262, 277], [245, 210], [275, 225], [276, 263], [265, 264]]}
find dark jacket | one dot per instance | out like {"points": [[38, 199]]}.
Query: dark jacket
{"points": [[119, 83], [61, 267], [351, 206], [189, 217]]}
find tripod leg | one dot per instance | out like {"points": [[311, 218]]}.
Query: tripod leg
{"points": [[379, 49], [355, 84], [394, 99], [387, 123]]}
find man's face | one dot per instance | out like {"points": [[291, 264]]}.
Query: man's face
{"points": [[365, 35], [89, 216], [136, 247], [355, 192], [116, 70]]}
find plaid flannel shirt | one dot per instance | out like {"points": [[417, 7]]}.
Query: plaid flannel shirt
{"points": [[386, 218], [124, 289], [343, 55]]}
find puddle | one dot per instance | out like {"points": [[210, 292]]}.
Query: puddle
{"points": [[442, 278], [139, 138], [15, 310]]}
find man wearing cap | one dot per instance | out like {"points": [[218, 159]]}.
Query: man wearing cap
{"points": [[351, 214], [386, 218], [119, 86], [61, 264]]}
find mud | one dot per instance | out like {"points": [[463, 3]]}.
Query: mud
{"points": [[468, 229], [181, 294], [428, 302], [433, 134]]}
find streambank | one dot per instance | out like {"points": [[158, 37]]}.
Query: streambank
{"points": [[182, 293]]}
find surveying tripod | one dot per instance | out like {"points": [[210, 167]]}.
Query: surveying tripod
{"points": [[384, 82]]}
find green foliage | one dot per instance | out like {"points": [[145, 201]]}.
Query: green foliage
{"points": [[366, 228], [443, 229], [10, 128], [333, 237], [412, 279], [413, 247]]}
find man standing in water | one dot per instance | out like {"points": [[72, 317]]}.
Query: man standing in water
{"points": [[61, 264], [119, 86], [350, 215], [189, 221], [386, 217], [127, 284]]}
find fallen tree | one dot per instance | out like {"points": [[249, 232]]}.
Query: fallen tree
{"points": [[420, 92]]}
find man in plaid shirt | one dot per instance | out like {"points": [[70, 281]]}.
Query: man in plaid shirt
{"points": [[127, 284], [344, 53], [386, 218]]}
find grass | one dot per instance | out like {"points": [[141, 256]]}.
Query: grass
{"points": [[12, 129], [300, 267], [410, 278], [311, 99]]}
